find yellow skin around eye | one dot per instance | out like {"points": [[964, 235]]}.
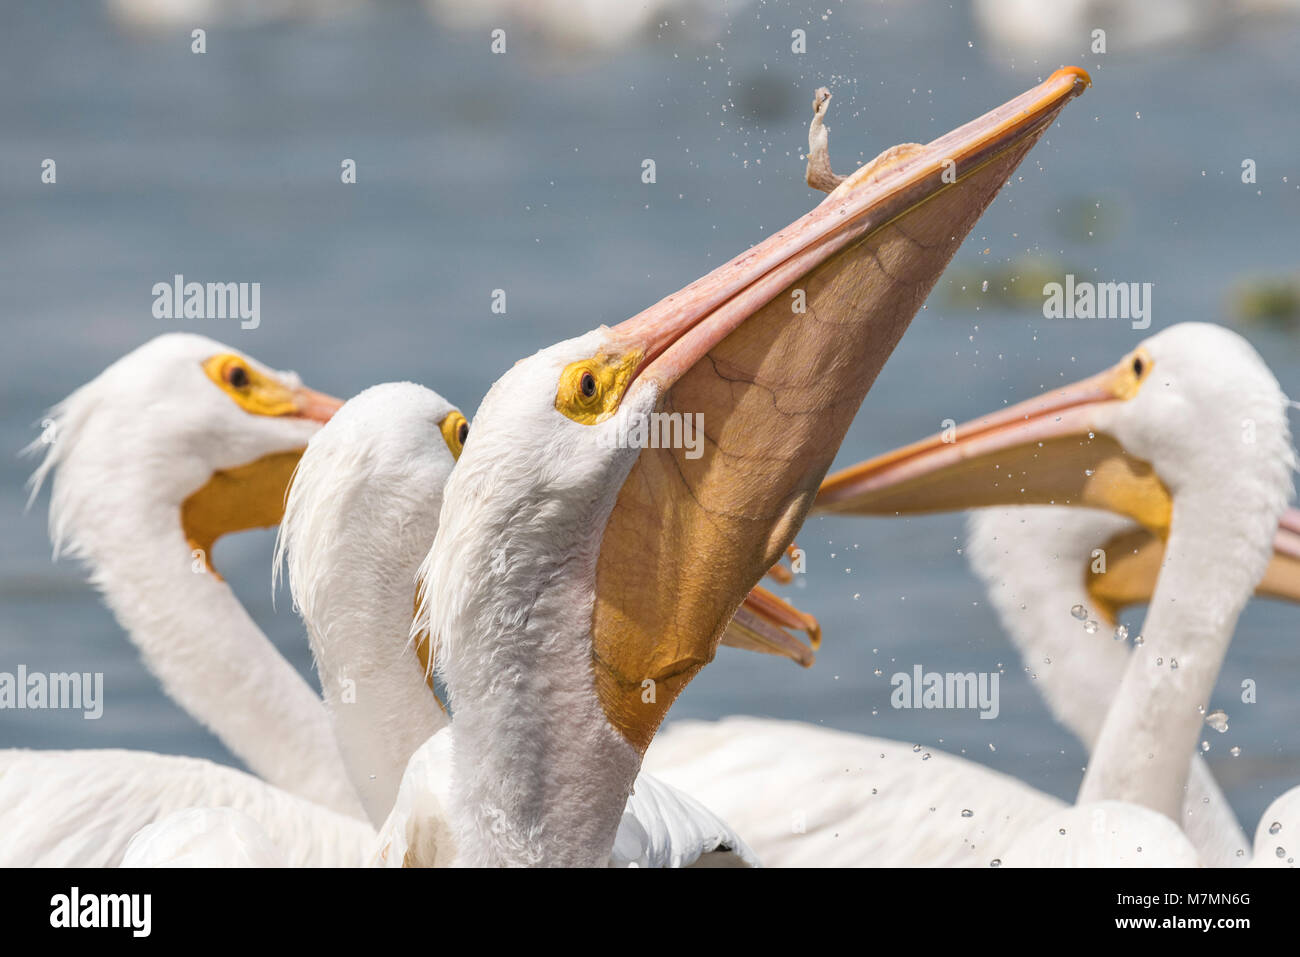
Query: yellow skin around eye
{"points": [[612, 374], [1126, 382], [260, 395], [450, 428]]}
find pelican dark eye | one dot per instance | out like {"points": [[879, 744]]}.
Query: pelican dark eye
{"points": [[463, 432], [1138, 366], [587, 384], [237, 376]]}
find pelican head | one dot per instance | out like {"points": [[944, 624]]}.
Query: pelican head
{"points": [[181, 428], [360, 515], [1193, 413], [582, 576]]}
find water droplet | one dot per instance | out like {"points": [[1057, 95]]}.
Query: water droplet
{"points": [[1079, 612], [1275, 827], [996, 862], [967, 812], [1062, 831], [916, 748], [926, 756], [1281, 852], [1121, 633], [1090, 626], [1235, 751], [1218, 720], [1139, 641], [1173, 664], [1159, 661], [878, 672], [1205, 745]]}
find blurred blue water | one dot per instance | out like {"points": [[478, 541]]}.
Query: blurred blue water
{"points": [[522, 172]]}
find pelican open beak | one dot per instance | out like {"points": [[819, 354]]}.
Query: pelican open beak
{"points": [[775, 350], [252, 495], [1049, 450], [1134, 559], [763, 624]]}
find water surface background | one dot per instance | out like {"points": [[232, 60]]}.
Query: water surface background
{"points": [[523, 172]]}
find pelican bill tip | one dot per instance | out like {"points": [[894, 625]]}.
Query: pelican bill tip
{"points": [[1077, 74]]}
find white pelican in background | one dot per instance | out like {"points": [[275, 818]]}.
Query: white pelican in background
{"points": [[361, 513], [1178, 402], [160, 15], [173, 445], [565, 592], [1065, 27]]}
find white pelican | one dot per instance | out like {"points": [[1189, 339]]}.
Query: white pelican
{"points": [[173, 445], [576, 585], [998, 141], [1181, 401], [361, 513], [862, 263], [133, 790]]}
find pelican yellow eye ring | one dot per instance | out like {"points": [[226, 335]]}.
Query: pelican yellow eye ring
{"points": [[1131, 372], [591, 389], [455, 430], [254, 391]]}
